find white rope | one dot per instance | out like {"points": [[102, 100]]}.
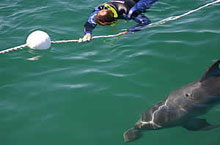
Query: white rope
{"points": [[13, 49], [94, 37], [182, 15], [115, 35]]}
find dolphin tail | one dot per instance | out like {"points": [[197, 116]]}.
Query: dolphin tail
{"points": [[213, 71], [131, 134]]}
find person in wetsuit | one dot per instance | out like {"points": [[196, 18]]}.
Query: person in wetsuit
{"points": [[109, 12]]}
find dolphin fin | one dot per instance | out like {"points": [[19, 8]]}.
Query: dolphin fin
{"points": [[131, 134], [213, 71], [195, 124]]}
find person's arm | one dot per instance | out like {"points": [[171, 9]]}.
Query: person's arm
{"points": [[135, 14], [142, 21], [89, 26], [140, 7]]}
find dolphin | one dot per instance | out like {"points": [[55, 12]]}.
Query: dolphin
{"points": [[182, 107]]}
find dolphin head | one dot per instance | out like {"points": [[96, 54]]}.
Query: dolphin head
{"points": [[199, 95]]}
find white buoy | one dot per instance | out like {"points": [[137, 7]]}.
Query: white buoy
{"points": [[38, 40]]}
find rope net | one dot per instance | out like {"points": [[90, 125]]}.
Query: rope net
{"points": [[172, 18]]}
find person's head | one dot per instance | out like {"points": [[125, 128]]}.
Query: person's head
{"points": [[105, 17]]}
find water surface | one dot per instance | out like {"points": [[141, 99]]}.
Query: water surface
{"points": [[90, 93]]}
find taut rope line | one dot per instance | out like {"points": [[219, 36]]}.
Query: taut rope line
{"points": [[13, 49], [115, 35], [182, 15], [94, 37]]}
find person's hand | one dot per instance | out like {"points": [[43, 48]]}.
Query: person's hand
{"points": [[87, 37], [125, 31]]}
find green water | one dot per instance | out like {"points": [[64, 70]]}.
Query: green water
{"points": [[90, 93]]}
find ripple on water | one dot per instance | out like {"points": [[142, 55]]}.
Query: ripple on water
{"points": [[74, 86]]}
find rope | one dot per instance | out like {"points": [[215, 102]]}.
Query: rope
{"points": [[119, 34], [94, 37], [182, 15], [13, 49]]}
